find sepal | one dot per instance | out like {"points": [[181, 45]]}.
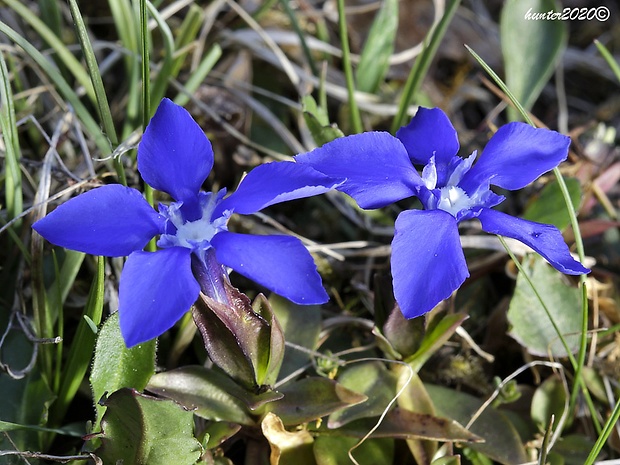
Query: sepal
{"points": [[246, 343]]}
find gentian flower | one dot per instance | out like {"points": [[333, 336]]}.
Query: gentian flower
{"points": [[427, 262], [195, 246]]}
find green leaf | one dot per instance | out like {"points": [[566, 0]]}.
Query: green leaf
{"points": [[301, 325], [8, 426], [374, 381], [321, 396], [318, 122], [502, 441], [403, 424], [115, 366], [269, 365], [531, 325], [609, 58], [374, 60], [550, 398], [528, 63], [437, 333], [210, 393], [216, 432], [334, 450], [447, 460], [550, 207], [574, 448], [141, 430]]}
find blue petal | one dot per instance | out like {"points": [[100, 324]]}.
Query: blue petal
{"points": [[280, 263], [273, 183], [515, 156], [429, 133], [174, 155], [156, 289], [374, 166], [545, 239], [428, 264], [111, 220]]}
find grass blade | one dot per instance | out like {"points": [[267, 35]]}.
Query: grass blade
{"points": [[421, 65], [577, 364], [199, 74], [606, 54], [528, 66], [356, 119], [164, 74], [12, 177], [71, 63], [97, 82], [89, 123], [82, 346], [374, 60]]}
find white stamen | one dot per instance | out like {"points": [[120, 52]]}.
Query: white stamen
{"points": [[429, 174]]}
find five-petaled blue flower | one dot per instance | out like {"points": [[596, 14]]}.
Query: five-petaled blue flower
{"points": [[427, 259], [157, 288]]}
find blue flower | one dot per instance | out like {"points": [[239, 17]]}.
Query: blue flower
{"points": [[195, 246], [427, 262]]}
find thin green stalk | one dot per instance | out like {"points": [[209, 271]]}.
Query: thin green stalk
{"points": [[146, 95], [422, 64], [60, 324], [199, 74], [356, 119], [301, 35], [266, 6], [127, 26], [613, 64], [160, 83], [146, 62], [579, 384], [579, 363], [8, 123], [97, 82], [523, 273], [81, 351], [602, 437], [186, 35], [542, 458]]}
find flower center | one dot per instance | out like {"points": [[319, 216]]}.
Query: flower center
{"points": [[195, 235], [453, 199]]}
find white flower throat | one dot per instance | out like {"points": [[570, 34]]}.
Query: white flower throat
{"points": [[452, 198], [197, 234]]}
